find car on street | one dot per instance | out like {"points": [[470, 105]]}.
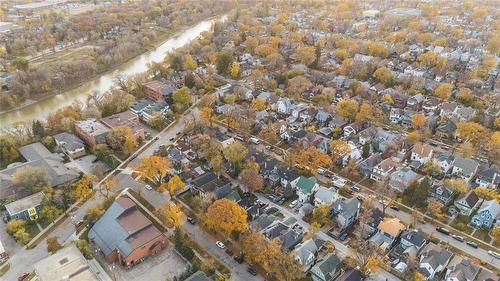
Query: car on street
{"points": [[23, 276], [472, 244], [394, 207], [494, 254], [220, 244], [320, 171], [148, 187], [355, 188], [443, 230], [252, 271], [157, 138], [239, 258], [293, 204], [190, 220], [458, 238]]}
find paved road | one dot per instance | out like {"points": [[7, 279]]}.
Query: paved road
{"points": [[238, 271]]}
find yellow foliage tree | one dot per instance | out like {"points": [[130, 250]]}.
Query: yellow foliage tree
{"points": [[173, 185], [235, 70], [190, 63], [443, 91], [471, 132], [347, 108], [259, 104], [207, 116], [171, 214], [226, 216], [153, 169], [339, 148], [311, 158], [83, 187], [418, 120]]}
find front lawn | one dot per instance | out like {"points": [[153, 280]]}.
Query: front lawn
{"points": [[483, 235]]}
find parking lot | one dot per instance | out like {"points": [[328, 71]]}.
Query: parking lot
{"points": [[167, 265]]}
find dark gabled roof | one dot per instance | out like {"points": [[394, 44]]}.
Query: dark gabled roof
{"points": [[470, 198], [415, 236], [287, 173], [204, 179], [448, 127], [351, 275], [328, 265]]}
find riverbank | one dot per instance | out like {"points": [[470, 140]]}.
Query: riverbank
{"points": [[165, 36]]}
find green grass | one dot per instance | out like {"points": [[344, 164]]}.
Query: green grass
{"points": [[32, 229]]}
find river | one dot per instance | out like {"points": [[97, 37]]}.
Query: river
{"points": [[41, 109]]}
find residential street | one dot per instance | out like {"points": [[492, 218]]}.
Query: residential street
{"points": [[238, 271]]}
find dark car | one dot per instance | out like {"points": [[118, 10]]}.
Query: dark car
{"points": [[472, 244], [171, 139], [252, 271], [190, 220], [394, 207], [343, 236], [443, 230], [239, 258]]}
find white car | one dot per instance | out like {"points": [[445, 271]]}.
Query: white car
{"points": [[293, 204], [220, 244], [148, 187], [494, 254]]}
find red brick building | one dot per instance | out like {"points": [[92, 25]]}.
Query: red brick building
{"points": [[126, 118], [158, 91], [91, 131], [124, 235]]}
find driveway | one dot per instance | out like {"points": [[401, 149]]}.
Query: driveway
{"points": [[238, 271]]}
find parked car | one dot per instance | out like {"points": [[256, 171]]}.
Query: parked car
{"points": [[320, 171], [472, 244], [157, 138], [443, 230], [252, 271], [293, 204], [343, 236], [458, 238], [254, 140], [239, 258], [355, 189], [220, 244], [23, 276], [394, 207], [190, 220], [148, 187], [171, 139], [494, 254]]}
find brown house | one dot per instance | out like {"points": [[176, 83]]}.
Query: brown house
{"points": [[124, 235], [126, 118], [158, 91], [91, 131]]}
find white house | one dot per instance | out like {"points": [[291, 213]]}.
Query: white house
{"points": [[421, 152], [325, 196], [433, 260]]}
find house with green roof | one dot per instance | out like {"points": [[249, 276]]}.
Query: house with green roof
{"points": [[326, 269], [305, 187]]}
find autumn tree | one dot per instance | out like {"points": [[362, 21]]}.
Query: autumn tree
{"points": [[378, 50], [157, 121], [181, 98], [470, 132], [269, 134], [171, 215], [435, 208], [443, 91], [50, 212], [310, 158], [414, 137], [189, 62], [384, 76], [106, 187], [94, 213], [254, 246], [207, 116], [457, 185], [251, 179], [339, 148], [173, 185], [235, 70], [153, 169], [298, 85], [234, 153], [226, 216], [121, 138], [15, 225], [366, 113], [223, 62], [321, 214], [32, 178], [52, 244], [495, 233], [251, 43], [306, 55], [83, 187], [347, 108], [259, 104], [487, 193], [418, 120]]}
